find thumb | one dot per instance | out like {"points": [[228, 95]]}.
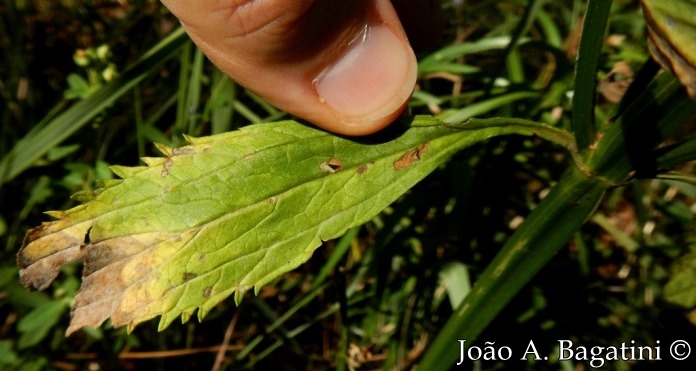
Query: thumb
{"points": [[345, 66]]}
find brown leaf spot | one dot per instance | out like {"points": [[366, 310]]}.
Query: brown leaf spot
{"points": [[362, 169], [207, 292], [183, 151], [249, 155], [333, 165], [272, 200], [167, 165], [408, 158], [188, 276]]}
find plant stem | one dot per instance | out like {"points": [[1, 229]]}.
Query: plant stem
{"points": [[545, 231], [586, 66]]}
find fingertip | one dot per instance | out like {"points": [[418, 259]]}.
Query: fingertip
{"points": [[360, 126], [370, 83], [348, 69]]}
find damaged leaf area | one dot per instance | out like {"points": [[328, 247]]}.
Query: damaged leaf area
{"points": [[210, 220], [408, 158], [331, 166], [671, 31]]}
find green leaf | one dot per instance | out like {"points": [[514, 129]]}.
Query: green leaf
{"points": [[57, 153], [47, 135], [621, 238], [455, 277], [78, 87], [671, 31], [35, 325], [475, 109], [681, 288], [442, 58], [677, 154], [7, 354], [678, 176], [232, 212], [594, 28]]}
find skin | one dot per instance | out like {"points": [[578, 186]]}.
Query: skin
{"points": [[345, 66]]}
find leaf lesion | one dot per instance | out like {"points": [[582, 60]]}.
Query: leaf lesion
{"points": [[333, 165], [411, 157], [47, 248]]}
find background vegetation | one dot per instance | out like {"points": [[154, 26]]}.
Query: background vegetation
{"points": [[377, 297]]}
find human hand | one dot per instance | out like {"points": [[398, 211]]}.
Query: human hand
{"points": [[345, 66]]}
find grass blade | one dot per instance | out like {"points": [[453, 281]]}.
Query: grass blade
{"points": [[36, 144], [546, 230], [586, 66], [677, 154]]}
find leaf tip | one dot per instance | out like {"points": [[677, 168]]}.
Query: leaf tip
{"points": [[164, 149], [189, 139], [152, 161], [123, 171], [83, 196], [55, 214], [186, 315]]}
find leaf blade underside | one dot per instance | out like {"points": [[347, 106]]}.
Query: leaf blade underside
{"points": [[227, 213]]}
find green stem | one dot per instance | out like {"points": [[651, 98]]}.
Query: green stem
{"points": [[594, 27], [546, 230]]}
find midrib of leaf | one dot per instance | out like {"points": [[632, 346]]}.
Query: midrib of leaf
{"points": [[233, 212]]}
